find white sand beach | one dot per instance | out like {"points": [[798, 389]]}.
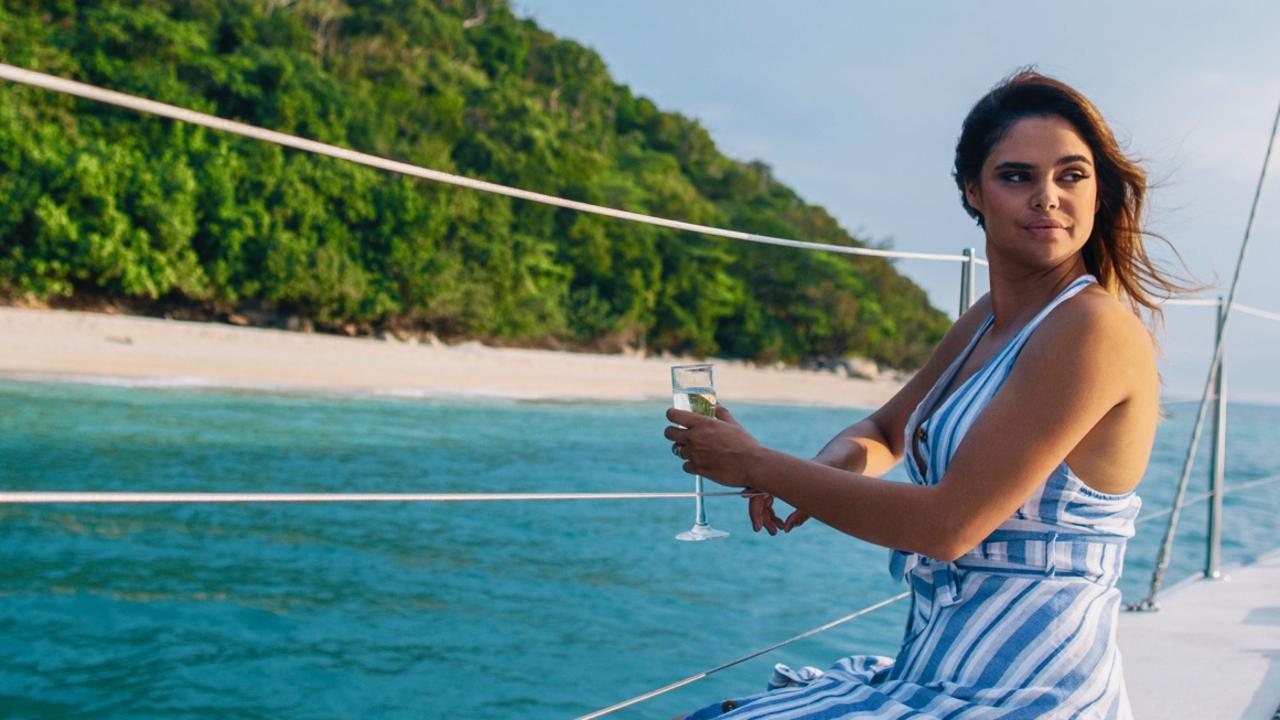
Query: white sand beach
{"points": [[97, 347]]}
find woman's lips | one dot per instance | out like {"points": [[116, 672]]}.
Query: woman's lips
{"points": [[1045, 229]]}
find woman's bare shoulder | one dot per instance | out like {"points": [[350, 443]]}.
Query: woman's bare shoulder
{"points": [[1096, 327], [1097, 312]]}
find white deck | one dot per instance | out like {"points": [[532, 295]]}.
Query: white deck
{"points": [[1211, 651]]}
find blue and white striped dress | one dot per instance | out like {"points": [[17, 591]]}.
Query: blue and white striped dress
{"points": [[1021, 626]]}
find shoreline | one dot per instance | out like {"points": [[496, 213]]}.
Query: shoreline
{"points": [[133, 351]]}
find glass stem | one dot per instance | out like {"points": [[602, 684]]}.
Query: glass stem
{"points": [[699, 512]]}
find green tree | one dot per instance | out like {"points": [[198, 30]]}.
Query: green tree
{"points": [[101, 202]]}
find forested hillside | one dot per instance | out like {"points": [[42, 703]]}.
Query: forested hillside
{"points": [[103, 203]]}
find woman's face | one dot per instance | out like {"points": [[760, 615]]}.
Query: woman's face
{"points": [[1037, 192]]}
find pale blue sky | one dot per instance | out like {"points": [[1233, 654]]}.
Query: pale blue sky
{"points": [[857, 107]]}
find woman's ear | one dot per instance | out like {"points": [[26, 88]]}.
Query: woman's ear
{"points": [[973, 195]]}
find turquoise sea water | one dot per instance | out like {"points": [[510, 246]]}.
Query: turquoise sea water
{"points": [[528, 610]]}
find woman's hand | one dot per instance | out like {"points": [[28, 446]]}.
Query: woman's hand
{"points": [[717, 448], [721, 449], [760, 507], [765, 512]]}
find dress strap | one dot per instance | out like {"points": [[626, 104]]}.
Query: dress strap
{"points": [[1068, 292], [1013, 348]]}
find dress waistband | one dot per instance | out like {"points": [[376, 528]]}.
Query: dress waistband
{"points": [[1092, 558]]}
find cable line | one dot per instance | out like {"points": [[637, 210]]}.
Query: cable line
{"points": [[44, 498], [1166, 546], [1208, 302], [1257, 313], [32, 497], [1205, 496], [738, 661], [174, 112]]}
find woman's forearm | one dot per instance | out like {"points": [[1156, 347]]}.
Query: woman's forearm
{"points": [[893, 514]]}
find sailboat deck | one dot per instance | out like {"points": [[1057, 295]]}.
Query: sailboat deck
{"points": [[1211, 651]]}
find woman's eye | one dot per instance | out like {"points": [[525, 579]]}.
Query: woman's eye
{"points": [[1019, 176]]}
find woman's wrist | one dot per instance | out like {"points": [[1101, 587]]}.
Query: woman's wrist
{"points": [[758, 475]]}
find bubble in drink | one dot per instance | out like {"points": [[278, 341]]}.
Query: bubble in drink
{"points": [[699, 400]]}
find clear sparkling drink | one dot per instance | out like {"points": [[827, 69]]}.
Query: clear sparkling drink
{"points": [[693, 389], [699, 400]]}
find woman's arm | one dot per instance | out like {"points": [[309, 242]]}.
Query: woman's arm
{"points": [[1075, 370], [860, 448], [873, 445]]}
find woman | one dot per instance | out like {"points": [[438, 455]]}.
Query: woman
{"points": [[1025, 435]]}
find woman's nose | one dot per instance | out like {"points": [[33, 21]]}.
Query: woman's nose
{"points": [[1045, 197]]}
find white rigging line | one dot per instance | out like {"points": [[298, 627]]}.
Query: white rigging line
{"points": [[43, 498], [737, 661], [1256, 312], [173, 112], [23, 497], [1209, 302], [1201, 497], [1215, 367]]}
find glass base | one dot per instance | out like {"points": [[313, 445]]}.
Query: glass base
{"points": [[701, 532]]}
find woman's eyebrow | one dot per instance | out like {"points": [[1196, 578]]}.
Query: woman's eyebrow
{"points": [[1064, 160]]}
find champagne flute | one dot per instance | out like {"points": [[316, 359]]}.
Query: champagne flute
{"points": [[693, 388]]}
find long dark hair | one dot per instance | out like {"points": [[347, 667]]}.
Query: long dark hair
{"points": [[1115, 252]]}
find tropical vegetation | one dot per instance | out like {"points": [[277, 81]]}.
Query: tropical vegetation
{"points": [[103, 203]]}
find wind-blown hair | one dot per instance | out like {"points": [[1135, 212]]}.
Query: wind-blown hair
{"points": [[1114, 252]]}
